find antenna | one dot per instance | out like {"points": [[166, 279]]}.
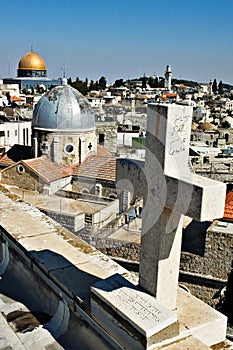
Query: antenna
{"points": [[31, 48]]}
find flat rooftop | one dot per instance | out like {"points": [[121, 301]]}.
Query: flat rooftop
{"points": [[65, 256], [58, 204]]}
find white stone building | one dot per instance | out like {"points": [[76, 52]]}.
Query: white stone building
{"points": [[14, 132]]}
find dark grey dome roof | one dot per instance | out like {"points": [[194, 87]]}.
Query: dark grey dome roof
{"points": [[63, 108]]}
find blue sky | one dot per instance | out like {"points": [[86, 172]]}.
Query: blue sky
{"points": [[120, 38]]}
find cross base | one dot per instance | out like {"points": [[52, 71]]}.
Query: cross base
{"points": [[137, 321]]}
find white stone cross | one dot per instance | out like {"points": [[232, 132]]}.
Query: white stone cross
{"points": [[170, 191]]}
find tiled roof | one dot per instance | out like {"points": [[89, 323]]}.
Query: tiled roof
{"points": [[102, 152], [46, 169], [16, 99], [167, 95], [5, 161], [228, 212], [97, 167]]}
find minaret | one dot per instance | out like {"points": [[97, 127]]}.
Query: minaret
{"points": [[168, 78]]}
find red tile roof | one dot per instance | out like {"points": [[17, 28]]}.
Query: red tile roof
{"points": [[5, 160], [169, 95], [46, 169], [102, 152], [97, 167], [16, 99], [228, 212]]}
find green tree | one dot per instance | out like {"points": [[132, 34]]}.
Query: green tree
{"points": [[96, 86], [91, 86], [215, 86], [118, 83], [80, 86], [220, 87], [144, 81], [86, 83], [102, 83]]}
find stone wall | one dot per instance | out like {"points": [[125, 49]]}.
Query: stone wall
{"points": [[54, 144], [216, 259], [87, 185], [113, 247], [73, 223], [204, 273], [109, 130], [207, 290], [214, 263], [22, 177], [221, 170]]}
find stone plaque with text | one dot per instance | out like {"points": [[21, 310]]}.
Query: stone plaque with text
{"points": [[134, 318]]}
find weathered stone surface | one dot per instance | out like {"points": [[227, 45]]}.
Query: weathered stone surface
{"points": [[141, 320]]}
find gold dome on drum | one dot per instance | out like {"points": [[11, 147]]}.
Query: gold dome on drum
{"points": [[31, 61]]}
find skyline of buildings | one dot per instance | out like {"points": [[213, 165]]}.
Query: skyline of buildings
{"points": [[121, 41]]}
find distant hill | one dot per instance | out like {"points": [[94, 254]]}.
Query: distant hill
{"points": [[227, 86], [190, 83], [194, 84]]}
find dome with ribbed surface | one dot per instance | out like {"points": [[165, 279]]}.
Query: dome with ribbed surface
{"points": [[63, 108], [31, 61]]}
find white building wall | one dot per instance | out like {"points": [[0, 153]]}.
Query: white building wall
{"points": [[15, 133], [105, 215], [124, 138]]}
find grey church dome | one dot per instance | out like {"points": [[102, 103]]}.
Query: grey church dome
{"points": [[63, 108]]}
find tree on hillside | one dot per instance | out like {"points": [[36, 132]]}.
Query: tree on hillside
{"points": [[118, 83], [102, 83], [91, 86], [220, 87], [79, 85], [86, 83], [215, 86], [144, 81]]}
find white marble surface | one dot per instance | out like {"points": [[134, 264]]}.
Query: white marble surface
{"points": [[140, 309]]}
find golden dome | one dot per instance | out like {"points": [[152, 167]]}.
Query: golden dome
{"points": [[31, 61], [206, 126]]}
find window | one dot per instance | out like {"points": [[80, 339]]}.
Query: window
{"points": [[27, 136], [24, 136], [16, 132], [98, 190], [20, 169], [101, 139], [69, 148]]}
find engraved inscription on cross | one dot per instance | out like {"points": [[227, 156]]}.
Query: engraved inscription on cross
{"points": [[170, 191]]}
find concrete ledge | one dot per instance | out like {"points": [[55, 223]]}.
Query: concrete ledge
{"points": [[200, 320], [184, 344]]}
